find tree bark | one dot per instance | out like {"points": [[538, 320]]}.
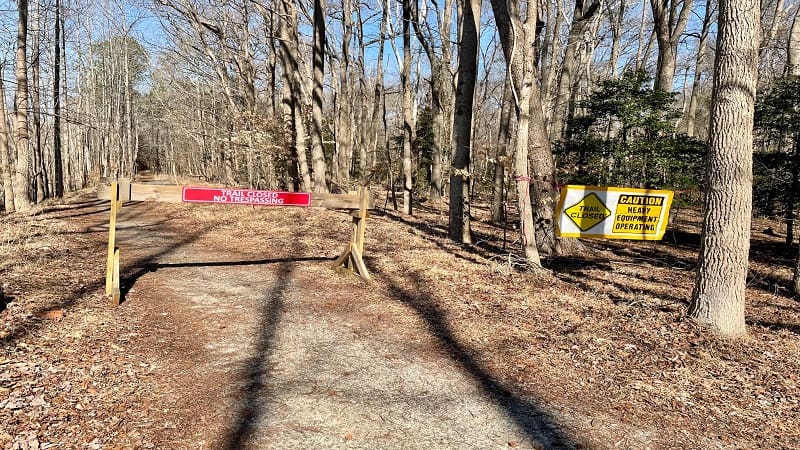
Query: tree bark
{"points": [[459, 229], [39, 164], [21, 134], [691, 115], [317, 92], [670, 18], [5, 153], [58, 168], [719, 293], [501, 156], [292, 103], [518, 39], [344, 131], [408, 112], [564, 93], [793, 47]]}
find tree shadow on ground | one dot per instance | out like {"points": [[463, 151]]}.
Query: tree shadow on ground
{"points": [[255, 371], [476, 253], [130, 269], [127, 283], [74, 206], [539, 425]]}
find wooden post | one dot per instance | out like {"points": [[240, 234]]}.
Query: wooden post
{"points": [[352, 258], [112, 262]]}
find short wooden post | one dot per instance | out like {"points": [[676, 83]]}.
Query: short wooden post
{"points": [[112, 261], [352, 258]]}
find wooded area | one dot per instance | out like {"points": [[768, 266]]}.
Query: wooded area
{"points": [[446, 103]]}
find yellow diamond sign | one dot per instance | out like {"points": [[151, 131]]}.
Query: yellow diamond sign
{"points": [[588, 212]]}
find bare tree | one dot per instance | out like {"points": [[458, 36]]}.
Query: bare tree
{"points": [[408, 109], [691, 114], [459, 228], [318, 65], [719, 294], [441, 83], [21, 134], [670, 18], [518, 39], [793, 46], [58, 167], [6, 157], [582, 13]]}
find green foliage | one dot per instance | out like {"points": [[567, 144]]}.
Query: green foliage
{"points": [[109, 59], [627, 136], [777, 125]]}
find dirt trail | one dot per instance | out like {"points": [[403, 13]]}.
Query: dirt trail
{"points": [[276, 351], [236, 333]]}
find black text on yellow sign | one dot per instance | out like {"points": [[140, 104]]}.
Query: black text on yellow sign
{"points": [[638, 214]]}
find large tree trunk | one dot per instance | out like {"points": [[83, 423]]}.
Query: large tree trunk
{"points": [[459, 228], [344, 130], [58, 168], [21, 134], [793, 70], [5, 153], [292, 103], [408, 109], [670, 18], [317, 93], [793, 47], [514, 33], [719, 294]]}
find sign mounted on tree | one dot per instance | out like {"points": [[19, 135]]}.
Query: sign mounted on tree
{"points": [[245, 197], [613, 213]]}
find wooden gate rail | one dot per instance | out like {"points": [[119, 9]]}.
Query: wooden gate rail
{"points": [[122, 190]]}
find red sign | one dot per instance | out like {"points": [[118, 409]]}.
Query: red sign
{"points": [[245, 197]]}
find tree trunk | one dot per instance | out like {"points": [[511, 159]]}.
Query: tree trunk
{"points": [[58, 168], [719, 294], [617, 31], [39, 166], [317, 93], [441, 89], [408, 113], [792, 194], [691, 116], [669, 23], [292, 103], [21, 134], [522, 70], [459, 229], [379, 101], [793, 47], [344, 131], [565, 92], [5, 153], [501, 156]]}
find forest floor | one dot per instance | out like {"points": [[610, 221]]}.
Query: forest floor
{"points": [[235, 333]]}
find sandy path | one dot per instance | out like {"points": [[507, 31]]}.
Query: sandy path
{"points": [[279, 352]]}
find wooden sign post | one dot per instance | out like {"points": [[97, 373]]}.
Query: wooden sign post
{"points": [[119, 191], [352, 258], [112, 262]]}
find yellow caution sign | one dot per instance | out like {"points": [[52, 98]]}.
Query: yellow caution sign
{"points": [[586, 211]]}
